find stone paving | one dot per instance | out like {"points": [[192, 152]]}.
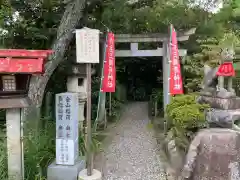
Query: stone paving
{"points": [[133, 154]]}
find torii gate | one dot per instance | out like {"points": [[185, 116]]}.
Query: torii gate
{"points": [[134, 41]]}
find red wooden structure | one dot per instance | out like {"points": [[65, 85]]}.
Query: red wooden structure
{"points": [[23, 61]]}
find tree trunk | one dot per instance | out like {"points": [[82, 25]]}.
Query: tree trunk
{"points": [[71, 18]]}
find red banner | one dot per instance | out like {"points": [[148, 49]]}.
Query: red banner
{"points": [[109, 75], [176, 86], [226, 69], [14, 65]]}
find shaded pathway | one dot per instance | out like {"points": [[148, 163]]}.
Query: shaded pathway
{"points": [[132, 154]]}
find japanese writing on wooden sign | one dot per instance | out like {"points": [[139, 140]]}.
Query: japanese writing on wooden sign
{"points": [[87, 45]]}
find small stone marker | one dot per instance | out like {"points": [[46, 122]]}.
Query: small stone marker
{"points": [[67, 128]]}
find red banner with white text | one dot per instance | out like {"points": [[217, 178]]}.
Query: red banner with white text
{"points": [[109, 73], [176, 86]]}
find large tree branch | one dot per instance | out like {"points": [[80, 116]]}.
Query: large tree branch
{"points": [[71, 17]]}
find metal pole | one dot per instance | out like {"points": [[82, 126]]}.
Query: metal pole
{"points": [[89, 121], [166, 73]]}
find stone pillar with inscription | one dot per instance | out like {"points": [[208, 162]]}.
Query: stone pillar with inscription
{"points": [[68, 163], [67, 128]]}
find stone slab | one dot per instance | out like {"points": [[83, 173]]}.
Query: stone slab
{"points": [[18, 102], [61, 172], [223, 117], [213, 154], [220, 103]]}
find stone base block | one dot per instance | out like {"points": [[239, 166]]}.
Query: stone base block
{"points": [[223, 117], [220, 103], [213, 154], [96, 175], [61, 172]]}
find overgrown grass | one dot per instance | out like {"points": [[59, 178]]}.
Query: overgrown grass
{"points": [[3, 157], [39, 151]]}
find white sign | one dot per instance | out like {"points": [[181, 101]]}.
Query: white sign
{"points": [[67, 110], [66, 151], [87, 45]]}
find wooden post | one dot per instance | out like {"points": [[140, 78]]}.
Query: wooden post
{"points": [[155, 108], [48, 101], [110, 104], [89, 121]]}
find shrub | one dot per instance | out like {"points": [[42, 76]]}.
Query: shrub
{"points": [[157, 95], [185, 118]]}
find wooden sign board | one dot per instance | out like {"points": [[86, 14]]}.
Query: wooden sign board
{"points": [[21, 65], [23, 61], [87, 45]]}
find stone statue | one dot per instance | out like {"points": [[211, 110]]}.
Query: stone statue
{"points": [[210, 81], [214, 153], [225, 105], [213, 85], [227, 55]]}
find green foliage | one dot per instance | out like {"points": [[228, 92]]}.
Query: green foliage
{"points": [[3, 157], [39, 150], [139, 94], [116, 100], [36, 25], [185, 117], [209, 53], [193, 73], [215, 31], [157, 95], [152, 16]]}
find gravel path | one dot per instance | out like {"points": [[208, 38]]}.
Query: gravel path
{"points": [[132, 153]]}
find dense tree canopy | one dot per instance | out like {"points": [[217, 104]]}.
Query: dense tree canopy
{"points": [[39, 24]]}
